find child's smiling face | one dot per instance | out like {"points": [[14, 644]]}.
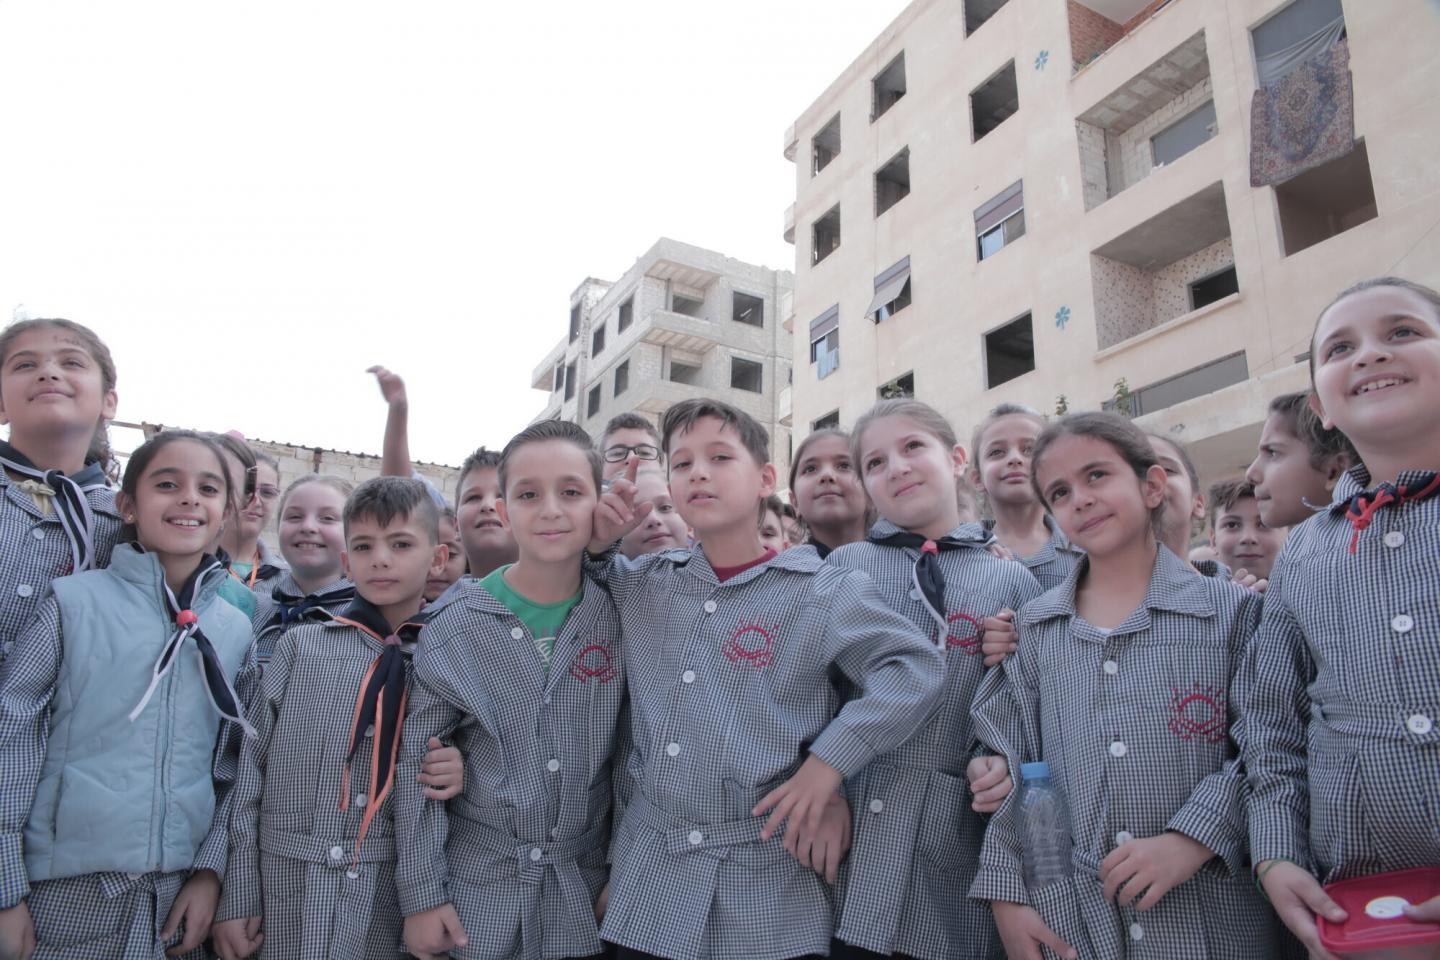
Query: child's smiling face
{"points": [[911, 475], [482, 530], [180, 500], [49, 382], [549, 501], [716, 482], [1003, 459], [662, 528], [312, 534], [827, 489]]}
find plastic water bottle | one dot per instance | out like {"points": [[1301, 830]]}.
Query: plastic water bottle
{"points": [[1044, 827]]}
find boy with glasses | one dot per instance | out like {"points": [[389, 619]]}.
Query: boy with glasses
{"points": [[628, 433]]}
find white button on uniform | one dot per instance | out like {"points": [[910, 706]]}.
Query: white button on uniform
{"points": [[673, 749], [359, 799], [1137, 932], [1400, 623], [370, 730], [24, 590], [535, 853], [1111, 667], [877, 806], [914, 594], [1393, 539], [38, 534], [696, 838], [353, 873], [688, 676], [1123, 837], [709, 606], [337, 853], [1419, 724], [1118, 749], [518, 633], [552, 765]]}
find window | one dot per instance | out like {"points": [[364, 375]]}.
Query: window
{"points": [[622, 377], [831, 419], [994, 101], [574, 323], [1326, 200], [1216, 286], [570, 381], [1001, 220], [978, 11], [1009, 351], [1183, 135], [627, 315], [887, 88], [825, 342], [747, 375], [825, 146], [1297, 33], [892, 182], [1197, 382], [747, 309], [592, 405], [559, 377], [597, 341], [892, 292], [689, 306], [687, 373], [902, 387], [825, 235]]}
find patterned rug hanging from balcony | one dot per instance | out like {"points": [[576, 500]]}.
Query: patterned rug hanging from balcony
{"points": [[1304, 119]]}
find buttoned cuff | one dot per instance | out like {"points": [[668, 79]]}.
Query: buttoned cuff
{"points": [[843, 749], [14, 881]]}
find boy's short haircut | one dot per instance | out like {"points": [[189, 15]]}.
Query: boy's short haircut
{"points": [[482, 459], [1321, 444], [338, 484], [448, 513], [682, 417], [1224, 494], [629, 420], [773, 504], [387, 499], [553, 430]]}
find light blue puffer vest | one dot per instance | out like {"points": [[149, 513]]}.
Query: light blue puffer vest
{"points": [[116, 795]]}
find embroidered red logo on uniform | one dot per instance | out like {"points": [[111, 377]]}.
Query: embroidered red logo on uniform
{"points": [[1198, 713], [595, 662], [751, 644], [967, 635]]}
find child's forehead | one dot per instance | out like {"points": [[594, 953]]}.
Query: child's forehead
{"points": [[483, 478], [368, 524], [629, 436], [1377, 304], [314, 494], [707, 429], [47, 337], [1072, 451], [547, 460], [185, 455]]}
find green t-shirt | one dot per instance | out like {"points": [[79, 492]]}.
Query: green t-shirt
{"points": [[543, 620]]}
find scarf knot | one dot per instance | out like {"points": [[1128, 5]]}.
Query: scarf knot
{"points": [[927, 576], [185, 617], [1366, 504], [76, 516]]}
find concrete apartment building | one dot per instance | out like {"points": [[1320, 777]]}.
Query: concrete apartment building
{"points": [[682, 322], [1033, 200]]}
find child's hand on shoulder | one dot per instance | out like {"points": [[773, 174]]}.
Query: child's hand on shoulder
{"points": [[433, 933], [237, 939], [195, 908], [441, 770], [990, 783], [998, 637], [1023, 932], [831, 842], [801, 800], [1297, 897], [17, 932], [1249, 581], [615, 511], [1151, 865], [392, 388]]}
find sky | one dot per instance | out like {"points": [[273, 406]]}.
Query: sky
{"points": [[253, 203]]}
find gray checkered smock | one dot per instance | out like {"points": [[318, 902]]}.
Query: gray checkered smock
{"points": [[1136, 726], [916, 839], [731, 686], [34, 550], [1052, 563], [1340, 693], [292, 848], [521, 852], [268, 630]]}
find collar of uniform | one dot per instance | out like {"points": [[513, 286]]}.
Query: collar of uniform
{"points": [[1058, 540], [972, 534], [133, 564], [478, 598], [286, 585], [1357, 480], [798, 561], [1174, 587], [272, 558]]}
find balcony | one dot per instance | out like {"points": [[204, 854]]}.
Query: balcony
{"points": [[790, 224], [785, 406], [654, 397], [792, 143], [665, 328], [543, 376], [787, 311]]}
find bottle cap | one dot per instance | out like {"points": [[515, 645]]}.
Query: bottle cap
{"points": [[1034, 771]]}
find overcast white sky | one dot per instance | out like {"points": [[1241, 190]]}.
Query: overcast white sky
{"points": [[251, 203]]}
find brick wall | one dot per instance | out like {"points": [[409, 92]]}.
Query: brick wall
{"points": [[1136, 158], [355, 467], [1090, 33], [1143, 15]]}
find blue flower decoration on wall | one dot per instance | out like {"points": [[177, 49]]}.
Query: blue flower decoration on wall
{"points": [[1062, 317], [1042, 58]]}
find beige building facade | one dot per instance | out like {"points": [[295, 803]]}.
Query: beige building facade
{"points": [[1050, 202], [682, 322]]}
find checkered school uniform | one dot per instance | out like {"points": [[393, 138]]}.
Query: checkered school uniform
{"points": [[521, 852], [1052, 563], [294, 860], [1138, 727], [34, 550], [916, 839], [1340, 692], [731, 686], [107, 915], [269, 622]]}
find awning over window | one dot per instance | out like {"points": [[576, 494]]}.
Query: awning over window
{"points": [[1009, 200], [825, 323], [889, 284]]}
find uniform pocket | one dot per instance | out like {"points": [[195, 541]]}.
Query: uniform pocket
{"points": [[74, 912], [1336, 806], [1059, 906], [948, 836]]}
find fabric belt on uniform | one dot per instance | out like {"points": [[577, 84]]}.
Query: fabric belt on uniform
{"points": [[532, 858], [681, 837], [298, 846], [1344, 723]]}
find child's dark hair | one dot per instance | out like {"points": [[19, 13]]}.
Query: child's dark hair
{"points": [[482, 459], [629, 420], [682, 417], [99, 451], [145, 454], [1224, 494], [448, 514], [1428, 294], [241, 451], [552, 430], [388, 499], [1182, 453], [814, 435], [1321, 444], [1132, 443], [772, 504]]}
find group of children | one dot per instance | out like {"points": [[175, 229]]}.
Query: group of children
{"points": [[619, 699]]}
